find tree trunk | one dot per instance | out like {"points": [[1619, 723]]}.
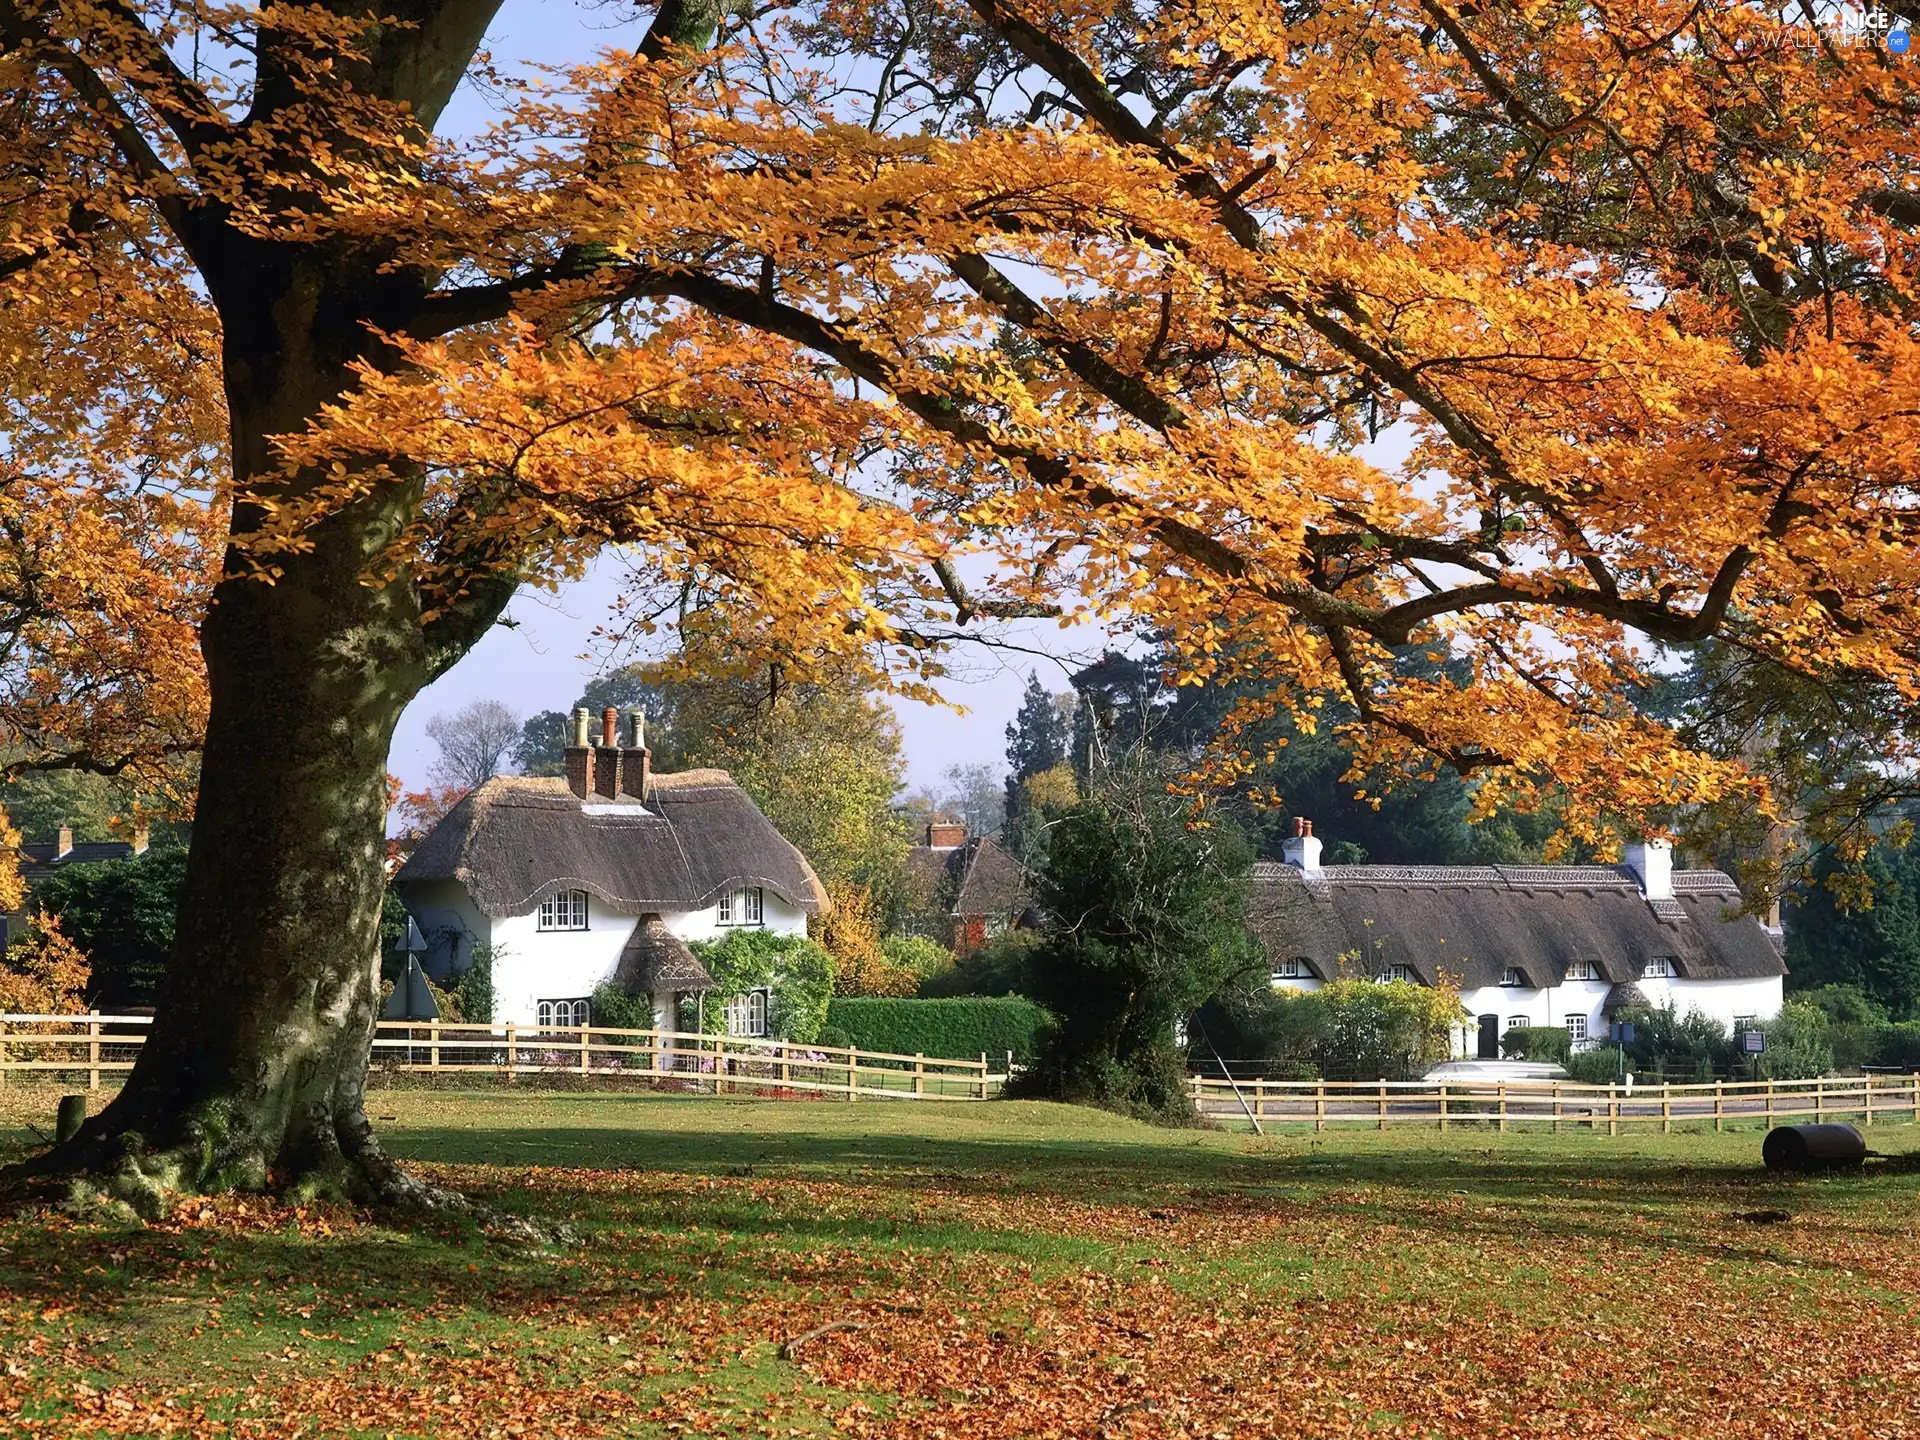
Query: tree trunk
{"points": [[252, 1074]]}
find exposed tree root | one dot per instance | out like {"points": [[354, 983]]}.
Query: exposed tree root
{"points": [[119, 1174]]}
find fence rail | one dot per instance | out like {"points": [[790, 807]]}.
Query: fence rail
{"points": [[101, 1045], [1558, 1104]]}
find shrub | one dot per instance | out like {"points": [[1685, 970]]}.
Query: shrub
{"points": [[916, 955], [1682, 1048], [615, 1009], [1550, 1044], [957, 1029], [833, 1038], [796, 973], [1391, 1031], [1799, 1043], [997, 968], [1897, 1045], [474, 987], [1596, 1067]]}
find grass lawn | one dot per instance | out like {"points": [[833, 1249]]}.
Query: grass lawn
{"points": [[990, 1270]]}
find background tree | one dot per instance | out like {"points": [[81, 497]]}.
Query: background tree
{"points": [[976, 796], [1874, 946], [1148, 924], [541, 748], [1037, 741], [123, 915], [474, 742]]}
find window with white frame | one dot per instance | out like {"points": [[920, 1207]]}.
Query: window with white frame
{"points": [[1577, 1028], [1660, 967], [1283, 970], [1397, 972], [1511, 976], [565, 911], [563, 1014], [747, 1015], [740, 907], [1581, 970]]}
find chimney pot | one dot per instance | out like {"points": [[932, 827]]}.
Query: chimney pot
{"points": [[637, 729], [580, 724], [610, 727], [1652, 864]]}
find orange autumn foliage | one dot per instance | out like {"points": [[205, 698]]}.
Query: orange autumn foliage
{"points": [[1632, 287], [44, 974]]}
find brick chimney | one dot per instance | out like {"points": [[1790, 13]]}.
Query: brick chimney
{"points": [[946, 835], [606, 763], [1303, 850], [140, 839], [580, 757], [636, 761], [63, 843]]}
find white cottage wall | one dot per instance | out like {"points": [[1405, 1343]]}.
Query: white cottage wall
{"points": [[532, 964], [440, 906]]}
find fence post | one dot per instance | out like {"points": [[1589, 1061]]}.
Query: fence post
{"points": [[1613, 1109], [1503, 1107], [1556, 1107], [1820, 1097], [1443, 1107], [1320, 1103], [919, 1073], [1868, 1082], [586, 1054], [853, 1074], [983, 1074], [433, 1047], [93, 1051], [1383, 1104], [1666, 1107], [786, 1066], [513, 1050], [1769, 1104], [1719, 1106]]}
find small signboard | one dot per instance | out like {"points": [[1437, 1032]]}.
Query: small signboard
{"points": [[1621, 1032], [1753, 1042]]}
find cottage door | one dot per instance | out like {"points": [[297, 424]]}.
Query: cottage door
{"points": [[1489, 1037]]}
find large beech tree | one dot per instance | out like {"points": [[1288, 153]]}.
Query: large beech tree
{"points": [[804, 305]]}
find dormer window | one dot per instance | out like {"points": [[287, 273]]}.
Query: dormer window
{"points": [[1658, 968], [1511, 976], [1581, 970], [1285, 970], [1397, 972], [740, 907], [565, 911]]}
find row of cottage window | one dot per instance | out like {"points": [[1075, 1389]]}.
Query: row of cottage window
{"points": [[568, 909], [1658, 968], [746, 1016]]}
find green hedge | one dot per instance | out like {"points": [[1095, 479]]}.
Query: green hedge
{"points": [[959, 1029]]}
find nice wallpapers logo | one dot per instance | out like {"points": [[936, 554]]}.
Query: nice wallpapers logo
{"points": [[1846, 25]]}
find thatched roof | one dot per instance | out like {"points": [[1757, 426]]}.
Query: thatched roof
{"points": [[1478, 921], [516, 840], [657, 959], [980, 877]]}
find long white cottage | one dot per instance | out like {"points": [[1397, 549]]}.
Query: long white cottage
{"points": [[1551, 945], [603, 876]]}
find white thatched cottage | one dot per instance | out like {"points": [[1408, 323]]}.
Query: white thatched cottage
{"points": [[1563, 945], [602, 876]]}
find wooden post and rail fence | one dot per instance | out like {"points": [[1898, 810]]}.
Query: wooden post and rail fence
{"points": [[65, 1049]]}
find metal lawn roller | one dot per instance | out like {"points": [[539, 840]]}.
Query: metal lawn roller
{"points": [[1803, 1149]]}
